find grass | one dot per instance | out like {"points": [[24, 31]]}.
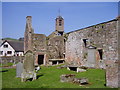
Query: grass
{"points": [[49, 77], [6, 65]]}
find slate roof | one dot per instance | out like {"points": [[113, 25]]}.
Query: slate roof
{"points": [[16, 45]]}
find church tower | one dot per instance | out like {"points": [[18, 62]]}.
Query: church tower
{"points": [[28, 34], [60, 25]]}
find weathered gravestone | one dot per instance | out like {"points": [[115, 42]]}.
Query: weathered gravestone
{"points": [[91, 59], [28, 67], [19, 69]]}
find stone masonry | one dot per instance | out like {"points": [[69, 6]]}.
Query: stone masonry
{"points": [[95, 46], [45, 47], [102, 36]]}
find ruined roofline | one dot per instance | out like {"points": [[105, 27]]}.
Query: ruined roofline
{"points": [[28, 16], [92, 26]]}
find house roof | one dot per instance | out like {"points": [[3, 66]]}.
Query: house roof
{"points": [[16, 45]]}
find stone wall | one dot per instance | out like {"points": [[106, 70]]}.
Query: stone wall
{"points": [[39, 43], [51, 47], [113, 66], [112, 73], [118, 27], [103, 36], [56, 47], [11, 59]]}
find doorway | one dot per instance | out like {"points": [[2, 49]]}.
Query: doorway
{"points": [[40, 59]]}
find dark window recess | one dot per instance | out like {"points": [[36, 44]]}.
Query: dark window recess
{"points": [[54, 62], [1, 52], [64, 40], [5, 46], [60, 24], [73, 68], [85, 42], [60, 61], [102, 26], [60, 20], [9, 52], [60, 33], [100, 53], [40, 59]]}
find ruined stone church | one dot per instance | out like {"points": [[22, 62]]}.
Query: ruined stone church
{"points": [[95, 46], [47, 50]]}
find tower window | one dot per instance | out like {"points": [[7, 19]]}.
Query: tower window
{"points": [[60, 24], [60, 20]]}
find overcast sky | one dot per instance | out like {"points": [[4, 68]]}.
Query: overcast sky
{"points": [[76, 15]]}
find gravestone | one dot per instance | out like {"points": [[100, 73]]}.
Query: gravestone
{"points": [[28, 67], [91, 60], [19, 69]]}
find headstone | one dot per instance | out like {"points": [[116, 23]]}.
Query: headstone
{"points": [[28, 67], [91, 60], [19, 69]]}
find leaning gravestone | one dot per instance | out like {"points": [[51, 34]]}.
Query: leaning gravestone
{"points": [[19, 69], [28, 67]]}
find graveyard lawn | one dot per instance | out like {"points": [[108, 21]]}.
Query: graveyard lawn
{"points": [[49, 77]]}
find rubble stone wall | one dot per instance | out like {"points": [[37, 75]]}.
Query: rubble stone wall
{"points": [[103, 36], [39, 46], [11, 59], [56, 47]]}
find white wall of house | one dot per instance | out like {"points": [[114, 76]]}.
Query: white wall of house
{"points": [[6, 50], [18, 53]]}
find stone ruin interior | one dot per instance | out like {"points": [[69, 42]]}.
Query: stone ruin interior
{"points": [[93, 47]]}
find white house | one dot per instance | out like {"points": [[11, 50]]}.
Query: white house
{"points": [[12, 48]]}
